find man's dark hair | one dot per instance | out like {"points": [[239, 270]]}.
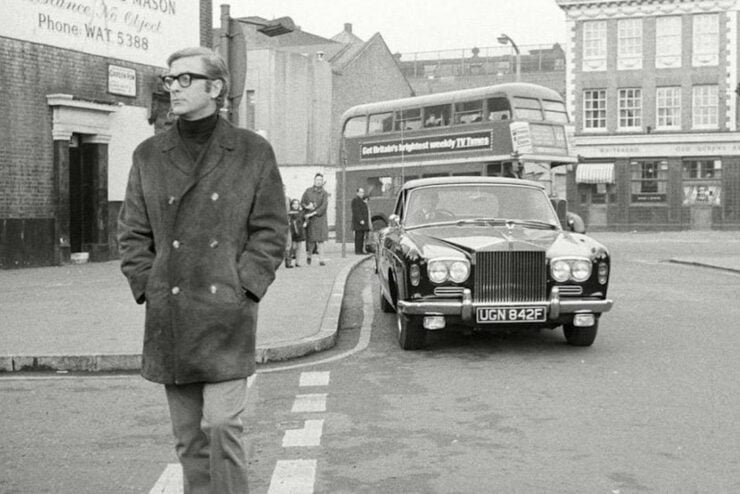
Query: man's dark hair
{"points": [[319, 175]]}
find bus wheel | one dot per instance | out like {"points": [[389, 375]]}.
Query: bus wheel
{"points": [[379, 224]]}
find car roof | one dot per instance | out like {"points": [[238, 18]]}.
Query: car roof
{"points": [[469, 180]]}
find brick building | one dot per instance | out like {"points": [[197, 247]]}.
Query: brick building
{"points": [[80, 83], [653, 86]]}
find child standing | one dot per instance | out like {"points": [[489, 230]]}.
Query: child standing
{"points": [[297, 223]]}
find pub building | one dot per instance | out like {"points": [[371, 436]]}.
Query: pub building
{"points": [[653, 89]]}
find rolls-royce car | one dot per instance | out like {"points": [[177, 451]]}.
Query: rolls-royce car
{"points": [[486, 253]]}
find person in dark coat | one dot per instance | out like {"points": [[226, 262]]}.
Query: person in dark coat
{"points": [[297, 226], [202, 230], [315, 201], [360, 220]]}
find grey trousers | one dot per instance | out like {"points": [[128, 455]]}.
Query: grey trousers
{"points": [[206, 422]]}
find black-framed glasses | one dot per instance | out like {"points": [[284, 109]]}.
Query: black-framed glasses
{"points": [[184, 80]]}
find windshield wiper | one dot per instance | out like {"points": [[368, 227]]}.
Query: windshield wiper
{"points": [[503, 221], [534, 224], [484, 221]]}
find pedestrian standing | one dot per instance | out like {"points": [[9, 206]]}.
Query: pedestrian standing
{"points": [[297, 225], [202, 230], [315, 201], [360, 222]]}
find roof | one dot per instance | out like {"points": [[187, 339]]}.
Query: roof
{"points": [[472, 180]]}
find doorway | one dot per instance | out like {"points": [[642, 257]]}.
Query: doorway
{"points": [[82, 182]]}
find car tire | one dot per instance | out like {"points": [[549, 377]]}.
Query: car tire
{"points": [[580, 336], [385, 305], [411, 332]]}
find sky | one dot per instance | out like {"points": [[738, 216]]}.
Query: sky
{"points": [[417, 25]]}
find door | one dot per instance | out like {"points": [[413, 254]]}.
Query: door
{"points": [[81, 195]]}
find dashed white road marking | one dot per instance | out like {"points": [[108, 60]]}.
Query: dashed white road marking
{"points": [[314, 379], [293, 477], [170, 482], [314, 402], [309, 436]]}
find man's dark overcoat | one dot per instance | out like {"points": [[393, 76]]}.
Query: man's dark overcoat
{"points": [[200, 244], [360, 215]]}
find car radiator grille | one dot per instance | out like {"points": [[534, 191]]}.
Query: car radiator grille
{"points": [[510, 277]]}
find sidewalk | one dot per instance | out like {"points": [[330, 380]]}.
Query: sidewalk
{"points": [[83, 317]]}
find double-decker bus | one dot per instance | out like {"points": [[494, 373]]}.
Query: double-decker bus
{"points": [[495, 131]]}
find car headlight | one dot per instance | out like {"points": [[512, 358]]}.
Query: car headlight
{"points": [[560, 270], [459, 271], [580, 270], [437, 271]]}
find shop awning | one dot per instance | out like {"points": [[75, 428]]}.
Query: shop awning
{"points": [[595, 173]]}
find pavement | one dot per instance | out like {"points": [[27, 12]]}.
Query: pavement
{"points": [[82, 317]]}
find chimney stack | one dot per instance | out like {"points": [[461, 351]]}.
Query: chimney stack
{"points": [[348, 27]]}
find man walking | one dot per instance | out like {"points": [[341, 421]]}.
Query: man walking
{"points": [[202, 230], [360, 220]]}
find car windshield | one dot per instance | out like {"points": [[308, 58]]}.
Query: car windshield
{"points": [[472, 203]]}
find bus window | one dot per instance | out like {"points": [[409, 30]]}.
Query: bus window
{"points": [[355, 126], [468, 112], [498, 108], [555, 111], [380, 122], [528, 108], [408, 119], [382, 186], [437, 116]]}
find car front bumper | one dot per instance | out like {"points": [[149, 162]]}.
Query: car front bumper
{"points": [[465, 307]]}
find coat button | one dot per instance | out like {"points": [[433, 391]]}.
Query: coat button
{"points": [[175, 290], [213, 289], [213, 244], [214, 196], [176, 244], [171, 200]]}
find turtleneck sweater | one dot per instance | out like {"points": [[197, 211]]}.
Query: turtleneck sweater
{"points": [[196, 134]]}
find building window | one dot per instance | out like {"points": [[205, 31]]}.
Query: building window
{"points": [[630, 109], [705, 40], [594, 46], [649, 181], [594, 109], [702, 169], [667, 42], [668, 108], [629, 44], [704, 108]]}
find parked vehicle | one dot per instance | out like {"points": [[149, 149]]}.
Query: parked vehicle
{"points": [[487, 253]]}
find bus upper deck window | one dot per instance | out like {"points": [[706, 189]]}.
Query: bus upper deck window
{"points": [[528, 108], [380, 122], [436, 116], [555, 111], [499, 108], [355, 126], [468, 112], [408, 119]]}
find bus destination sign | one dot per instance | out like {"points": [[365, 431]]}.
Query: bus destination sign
{"points": [[469, 141]]}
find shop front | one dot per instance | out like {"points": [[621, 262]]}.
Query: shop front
{"points": [[692, 183]]}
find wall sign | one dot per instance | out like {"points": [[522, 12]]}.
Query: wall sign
{"points": [[121, 80], [141, 31]]}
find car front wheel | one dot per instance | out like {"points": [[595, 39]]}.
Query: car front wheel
{"points": [[580, 336], [411, 332]]}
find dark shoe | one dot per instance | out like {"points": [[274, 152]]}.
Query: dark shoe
{"points": [[308, 261], [289, 266], [322, 263]]}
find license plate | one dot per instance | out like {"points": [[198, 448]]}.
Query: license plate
{"points": [[525, 313]]}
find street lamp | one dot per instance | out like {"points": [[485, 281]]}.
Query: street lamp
{"points": [[504, 40]]}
